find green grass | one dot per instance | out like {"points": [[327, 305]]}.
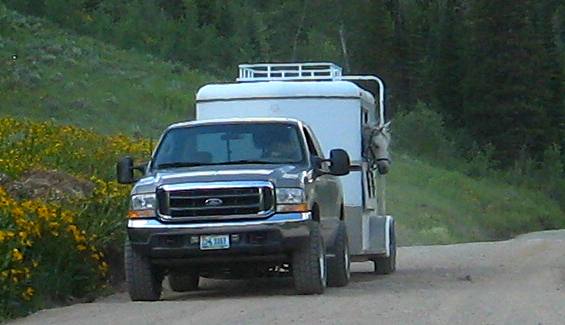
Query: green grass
{"points": [[71, 79], [433, 205]]}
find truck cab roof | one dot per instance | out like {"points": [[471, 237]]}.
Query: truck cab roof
{"points": [[237, 120]]}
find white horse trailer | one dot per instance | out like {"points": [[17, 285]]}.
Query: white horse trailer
{"points": [[342, 115]]}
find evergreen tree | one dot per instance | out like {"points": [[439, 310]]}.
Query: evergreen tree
{"points": [[504, 99], [447, 66], [545, 20]]}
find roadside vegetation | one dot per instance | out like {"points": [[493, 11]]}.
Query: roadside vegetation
{"points": [[445, 188], [61, 212]]}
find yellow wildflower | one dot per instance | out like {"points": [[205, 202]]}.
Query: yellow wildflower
{"points": [[17, 256], [28, 293], [67, 217], [17, 212], [22, 235], [103, 267], [43, 213], [27, 243]]}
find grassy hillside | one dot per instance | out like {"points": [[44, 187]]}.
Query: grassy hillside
{"points": [[48, 73], [433, 205]]}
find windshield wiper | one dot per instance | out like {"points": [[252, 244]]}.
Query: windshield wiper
{"points": [[178, 164], [245, 161]]}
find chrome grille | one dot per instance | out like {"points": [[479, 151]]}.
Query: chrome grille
{"points": [[221, 201]]}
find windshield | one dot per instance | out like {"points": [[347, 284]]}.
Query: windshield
{"points": [[264, 143]]}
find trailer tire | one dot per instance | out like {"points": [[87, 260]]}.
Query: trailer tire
{"points": [[339, 267], [387, 265], [144, 280], [309, 264], [183, 282]]}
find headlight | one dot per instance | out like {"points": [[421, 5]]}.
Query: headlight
{"points": [[291, 200], [143, 201], [290, 195], [142, 205]]}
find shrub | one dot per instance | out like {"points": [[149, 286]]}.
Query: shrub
{"points": [[26, 145], [51, 252], [422, 133], [551, 174], [44, 251]]}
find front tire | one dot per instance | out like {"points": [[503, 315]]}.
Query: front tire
{"points": [[144, 280], [183, 282], [387, 265], [309, 264], [339, 268]]}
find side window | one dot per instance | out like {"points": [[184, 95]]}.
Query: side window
{"points": [[311, 146]]}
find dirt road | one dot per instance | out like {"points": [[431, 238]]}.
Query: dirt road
{"points": [[521, 281]]}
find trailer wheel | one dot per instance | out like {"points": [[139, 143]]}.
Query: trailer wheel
{"points": [[309, 264], [143, 279], [183, 282], [387, 265], [339, 267]]}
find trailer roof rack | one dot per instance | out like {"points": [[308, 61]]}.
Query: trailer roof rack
{"points": [[288, 71], [311, 71]]}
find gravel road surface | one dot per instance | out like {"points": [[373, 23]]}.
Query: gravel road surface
{"points": [[521, 281]]}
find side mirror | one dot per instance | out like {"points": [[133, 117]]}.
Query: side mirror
{"points": [[317, 162], [124, 170], [339, 162]]}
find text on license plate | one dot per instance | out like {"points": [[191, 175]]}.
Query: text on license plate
{"points": [[214, 242]]}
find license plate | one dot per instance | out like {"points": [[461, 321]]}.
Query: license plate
{"points": [[214, 242]]}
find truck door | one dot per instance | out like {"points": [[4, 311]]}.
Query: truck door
{"points": [[327, 184]]}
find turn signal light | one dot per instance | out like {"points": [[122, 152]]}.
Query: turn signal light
{"points": [[135, 214], [302, 207]]}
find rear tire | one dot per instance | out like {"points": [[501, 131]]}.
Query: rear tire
{"points": [[144, 280], [309, 264], [387, 265], [339, 267], [183, 282]]}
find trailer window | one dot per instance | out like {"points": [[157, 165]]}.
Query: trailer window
{"points": [[371, 184]]}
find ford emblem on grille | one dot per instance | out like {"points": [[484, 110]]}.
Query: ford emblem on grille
{"points": [[213, 202]]}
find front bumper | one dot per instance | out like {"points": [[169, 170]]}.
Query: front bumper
{"points": [[267, 239]]}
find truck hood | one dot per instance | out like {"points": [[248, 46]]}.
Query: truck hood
{"points": [[279, 175]]}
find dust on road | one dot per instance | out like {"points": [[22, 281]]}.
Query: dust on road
{"points": [[521, 281]]}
